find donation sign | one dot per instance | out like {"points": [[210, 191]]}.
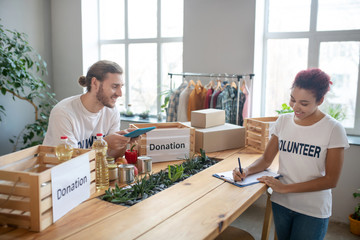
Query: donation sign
{"points": [[70, 185], [168, 144]]}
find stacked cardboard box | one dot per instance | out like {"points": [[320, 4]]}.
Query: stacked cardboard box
{"points": [[212, 134]]}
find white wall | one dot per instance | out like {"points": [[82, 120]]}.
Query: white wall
{"points": [[67, 47], [33, 18], [219, 36]]}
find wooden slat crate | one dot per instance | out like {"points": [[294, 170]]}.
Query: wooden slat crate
{"points": [[142, 147], [257, 131], [25, 186]]}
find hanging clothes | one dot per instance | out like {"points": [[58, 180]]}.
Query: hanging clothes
{"points": [[228, 103], [219, 100], [241, 106], [247, 103], [183, 103], [171, 113], [216, 95], [190, 97], [212, 99], [208, 98], [196, 99]]}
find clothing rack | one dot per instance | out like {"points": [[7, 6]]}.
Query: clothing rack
{"points": [[239, 78]]}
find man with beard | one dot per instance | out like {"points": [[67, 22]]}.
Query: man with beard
{"points": [[82, 116]]}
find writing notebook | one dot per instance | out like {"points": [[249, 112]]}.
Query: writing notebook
{"points": [[249, 180]]}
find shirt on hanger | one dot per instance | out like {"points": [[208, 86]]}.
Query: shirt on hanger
{"points": [[173, 103], [196, 99], [229, 104], [241, 104], [212, 99], [183, 104], [219, 100], [208, 98]]}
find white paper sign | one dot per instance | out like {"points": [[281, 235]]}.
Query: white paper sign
{"points": [[168, 144], [70, 185]]}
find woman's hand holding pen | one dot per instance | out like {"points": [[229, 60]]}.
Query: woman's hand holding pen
{"points": [[238, 176]]}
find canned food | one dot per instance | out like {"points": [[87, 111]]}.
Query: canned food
{"points": [[144, 164], [126, 173], [113, 172], [110, 160]]}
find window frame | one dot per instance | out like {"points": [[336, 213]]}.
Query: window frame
{"points": [[315, 38], [158, 40]]}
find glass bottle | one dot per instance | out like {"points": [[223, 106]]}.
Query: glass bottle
{"points": [[64, 150], [102, 171]]}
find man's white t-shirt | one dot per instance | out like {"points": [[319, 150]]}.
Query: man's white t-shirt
{"points": [[70, 118], [302, 155]]}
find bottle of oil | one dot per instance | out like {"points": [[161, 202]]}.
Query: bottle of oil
{"points": [[102, 171], [64, 150]]}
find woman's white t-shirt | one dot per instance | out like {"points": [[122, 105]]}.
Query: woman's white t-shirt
{"points": [[302, 155], [70, 118]]}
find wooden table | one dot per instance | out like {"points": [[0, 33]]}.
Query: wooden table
{"points": [[200, 207]]}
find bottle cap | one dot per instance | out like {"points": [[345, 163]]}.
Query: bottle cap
{"points": [[99, 134], [63, 137]]}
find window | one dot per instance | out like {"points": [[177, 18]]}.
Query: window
{"points": [[145, 38], [312, 33]]}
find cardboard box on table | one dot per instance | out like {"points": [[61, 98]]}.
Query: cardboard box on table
{"points": [[223, 137], [207, 118]]}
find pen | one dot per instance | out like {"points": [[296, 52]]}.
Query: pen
{"points": [[240, 167]]}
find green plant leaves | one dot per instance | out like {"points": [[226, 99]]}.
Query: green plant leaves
{"points": [[154, 183], [175, 172], [21, 69], [356, 214], [337, 111], [284, 109]]}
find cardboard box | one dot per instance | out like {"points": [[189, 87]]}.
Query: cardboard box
{"points": [[226, 136], [207, 118]]}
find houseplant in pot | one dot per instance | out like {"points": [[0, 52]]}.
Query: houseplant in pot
{"points": [[355, 217], [21, 72]]}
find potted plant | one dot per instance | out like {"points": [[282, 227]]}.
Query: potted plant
{"points": [[355, 217], [284, 109], [128, 112], [144, 115], [21, 68]]}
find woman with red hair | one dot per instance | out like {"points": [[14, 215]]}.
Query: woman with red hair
{"points": [[311, 147]]}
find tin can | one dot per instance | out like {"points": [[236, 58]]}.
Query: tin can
{"points": [[113, 172], [144, 164], [126, 173], [110, 160]]}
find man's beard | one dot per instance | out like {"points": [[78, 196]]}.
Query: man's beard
{"points": [[101, 97]]}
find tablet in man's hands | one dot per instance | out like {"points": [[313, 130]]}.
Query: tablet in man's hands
{"points": [[138, 132]]}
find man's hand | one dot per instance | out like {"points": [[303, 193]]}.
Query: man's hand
{"points": [[117, 142]]}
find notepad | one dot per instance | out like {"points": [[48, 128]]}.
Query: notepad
{"points": [[249, 180]]}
